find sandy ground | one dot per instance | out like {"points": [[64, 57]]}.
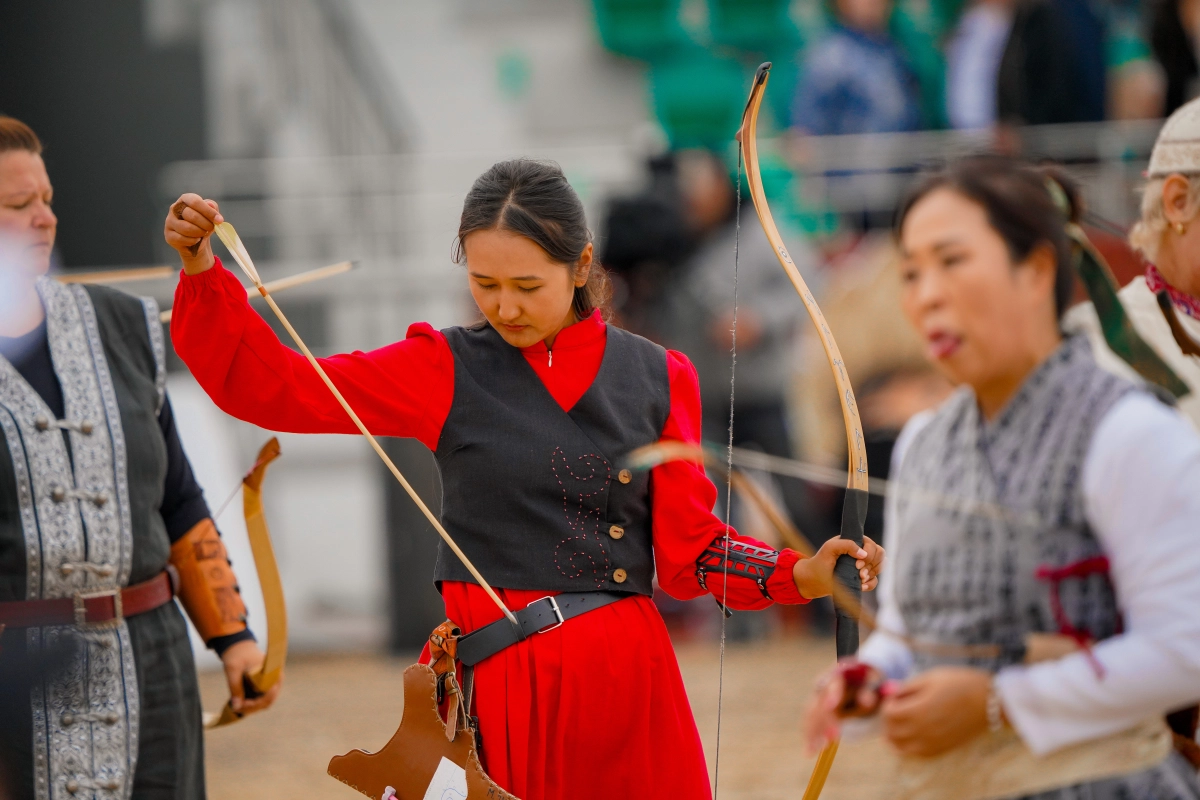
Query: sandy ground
{"points": [[334, 704]]}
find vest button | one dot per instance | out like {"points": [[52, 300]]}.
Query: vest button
{"points": [[624, 476], [616, 531], [620, 575]]}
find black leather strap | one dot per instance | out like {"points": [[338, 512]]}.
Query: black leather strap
{"points": [[537, 617], [745, 561]]}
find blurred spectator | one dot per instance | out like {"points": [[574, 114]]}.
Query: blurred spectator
{"points": [[1174, 29], [856, 78], [1137, 84], [1137, 90], [884, 357], [646, 238], [1053, 67], [697, 317], [1077, 61], [973, 64]]}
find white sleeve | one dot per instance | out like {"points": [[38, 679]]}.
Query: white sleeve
{"points": [[1141, 482], [886, 653]]}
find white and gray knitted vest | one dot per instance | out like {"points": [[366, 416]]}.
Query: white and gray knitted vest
{"points": [[1009, 499], [982, 505]]}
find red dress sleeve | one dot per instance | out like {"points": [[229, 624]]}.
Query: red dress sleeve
{"points": [[404, 389], [682, 499]]}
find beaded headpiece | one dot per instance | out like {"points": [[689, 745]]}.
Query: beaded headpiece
{"points": [[1178, 146]]}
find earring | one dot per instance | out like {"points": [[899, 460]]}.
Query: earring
{"points": [[1180, 228]]}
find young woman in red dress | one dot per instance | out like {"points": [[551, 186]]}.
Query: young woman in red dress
{"points": [[529, 414]]}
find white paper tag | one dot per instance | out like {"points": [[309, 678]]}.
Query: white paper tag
{"points": [[449, 782]]}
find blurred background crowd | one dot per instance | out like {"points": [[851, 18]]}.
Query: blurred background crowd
{"points": [[351, 129]]}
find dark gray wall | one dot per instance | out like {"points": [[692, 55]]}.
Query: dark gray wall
{"points": [[414, 606], [111, 110]]}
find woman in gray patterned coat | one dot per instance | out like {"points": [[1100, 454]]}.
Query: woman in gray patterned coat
{"points": [[1069, 506], [101, 525]]}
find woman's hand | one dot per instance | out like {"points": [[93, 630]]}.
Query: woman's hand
{"points": [[847, 689], [190, 223], [814, 576], [937, 710], [241, 660]]}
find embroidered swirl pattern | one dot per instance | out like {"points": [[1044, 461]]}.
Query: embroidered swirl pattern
{"points": [[585, 500]]}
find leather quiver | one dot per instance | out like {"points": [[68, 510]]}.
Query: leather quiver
{"points": [[407, 763]]}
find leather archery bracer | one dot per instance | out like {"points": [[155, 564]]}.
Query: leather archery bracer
{"points": [[208, 588]]}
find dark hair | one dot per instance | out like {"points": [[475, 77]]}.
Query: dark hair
{"points": [[16, 135], [1024, 204], [533, 199]]}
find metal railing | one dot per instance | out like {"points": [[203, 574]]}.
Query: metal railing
{"points": [[867, 174]]}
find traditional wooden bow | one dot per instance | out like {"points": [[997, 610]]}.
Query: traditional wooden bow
{"points": [[268, 580], [855, 508]]}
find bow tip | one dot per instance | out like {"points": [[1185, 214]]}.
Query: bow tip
{"points": [[761, 74]]}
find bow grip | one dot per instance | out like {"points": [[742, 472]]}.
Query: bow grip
{"points": [[854, 517]]}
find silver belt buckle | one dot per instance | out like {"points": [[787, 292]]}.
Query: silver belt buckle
{"points": [[555, 608], [81, 608]]}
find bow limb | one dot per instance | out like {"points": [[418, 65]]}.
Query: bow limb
{"points": [[269, 581], [854, 510]]}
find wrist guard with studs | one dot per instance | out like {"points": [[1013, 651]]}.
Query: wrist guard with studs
{"points": [[745, 561]]}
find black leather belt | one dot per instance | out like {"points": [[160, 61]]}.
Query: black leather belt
{"points": [[537, 617]]}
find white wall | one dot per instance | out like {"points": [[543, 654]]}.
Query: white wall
{"points": [[325, 497]]}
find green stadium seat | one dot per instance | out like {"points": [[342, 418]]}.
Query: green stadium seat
{"points": [[698, 98], [757, 26], [645, 29]]}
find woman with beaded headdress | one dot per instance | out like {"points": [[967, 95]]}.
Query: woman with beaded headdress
{"points": [[1041, 527], [1164, 303]]}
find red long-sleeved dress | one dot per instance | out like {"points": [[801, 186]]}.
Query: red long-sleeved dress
{"points": [[593, 709]]}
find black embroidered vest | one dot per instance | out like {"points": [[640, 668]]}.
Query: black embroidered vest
{"points": [[535, 495]]}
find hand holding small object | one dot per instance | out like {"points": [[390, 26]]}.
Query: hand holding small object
{"points": [[241, 660], [848, 689], [190, 223]]}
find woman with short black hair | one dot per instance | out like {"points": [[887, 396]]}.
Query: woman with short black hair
{"points": [[529, 413], [1066, 506]]}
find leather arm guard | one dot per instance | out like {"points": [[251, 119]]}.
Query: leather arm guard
{"points": [[745, 561], [208, 588]]}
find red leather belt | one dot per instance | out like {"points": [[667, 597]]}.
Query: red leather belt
{"points": [[90, 608]]}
